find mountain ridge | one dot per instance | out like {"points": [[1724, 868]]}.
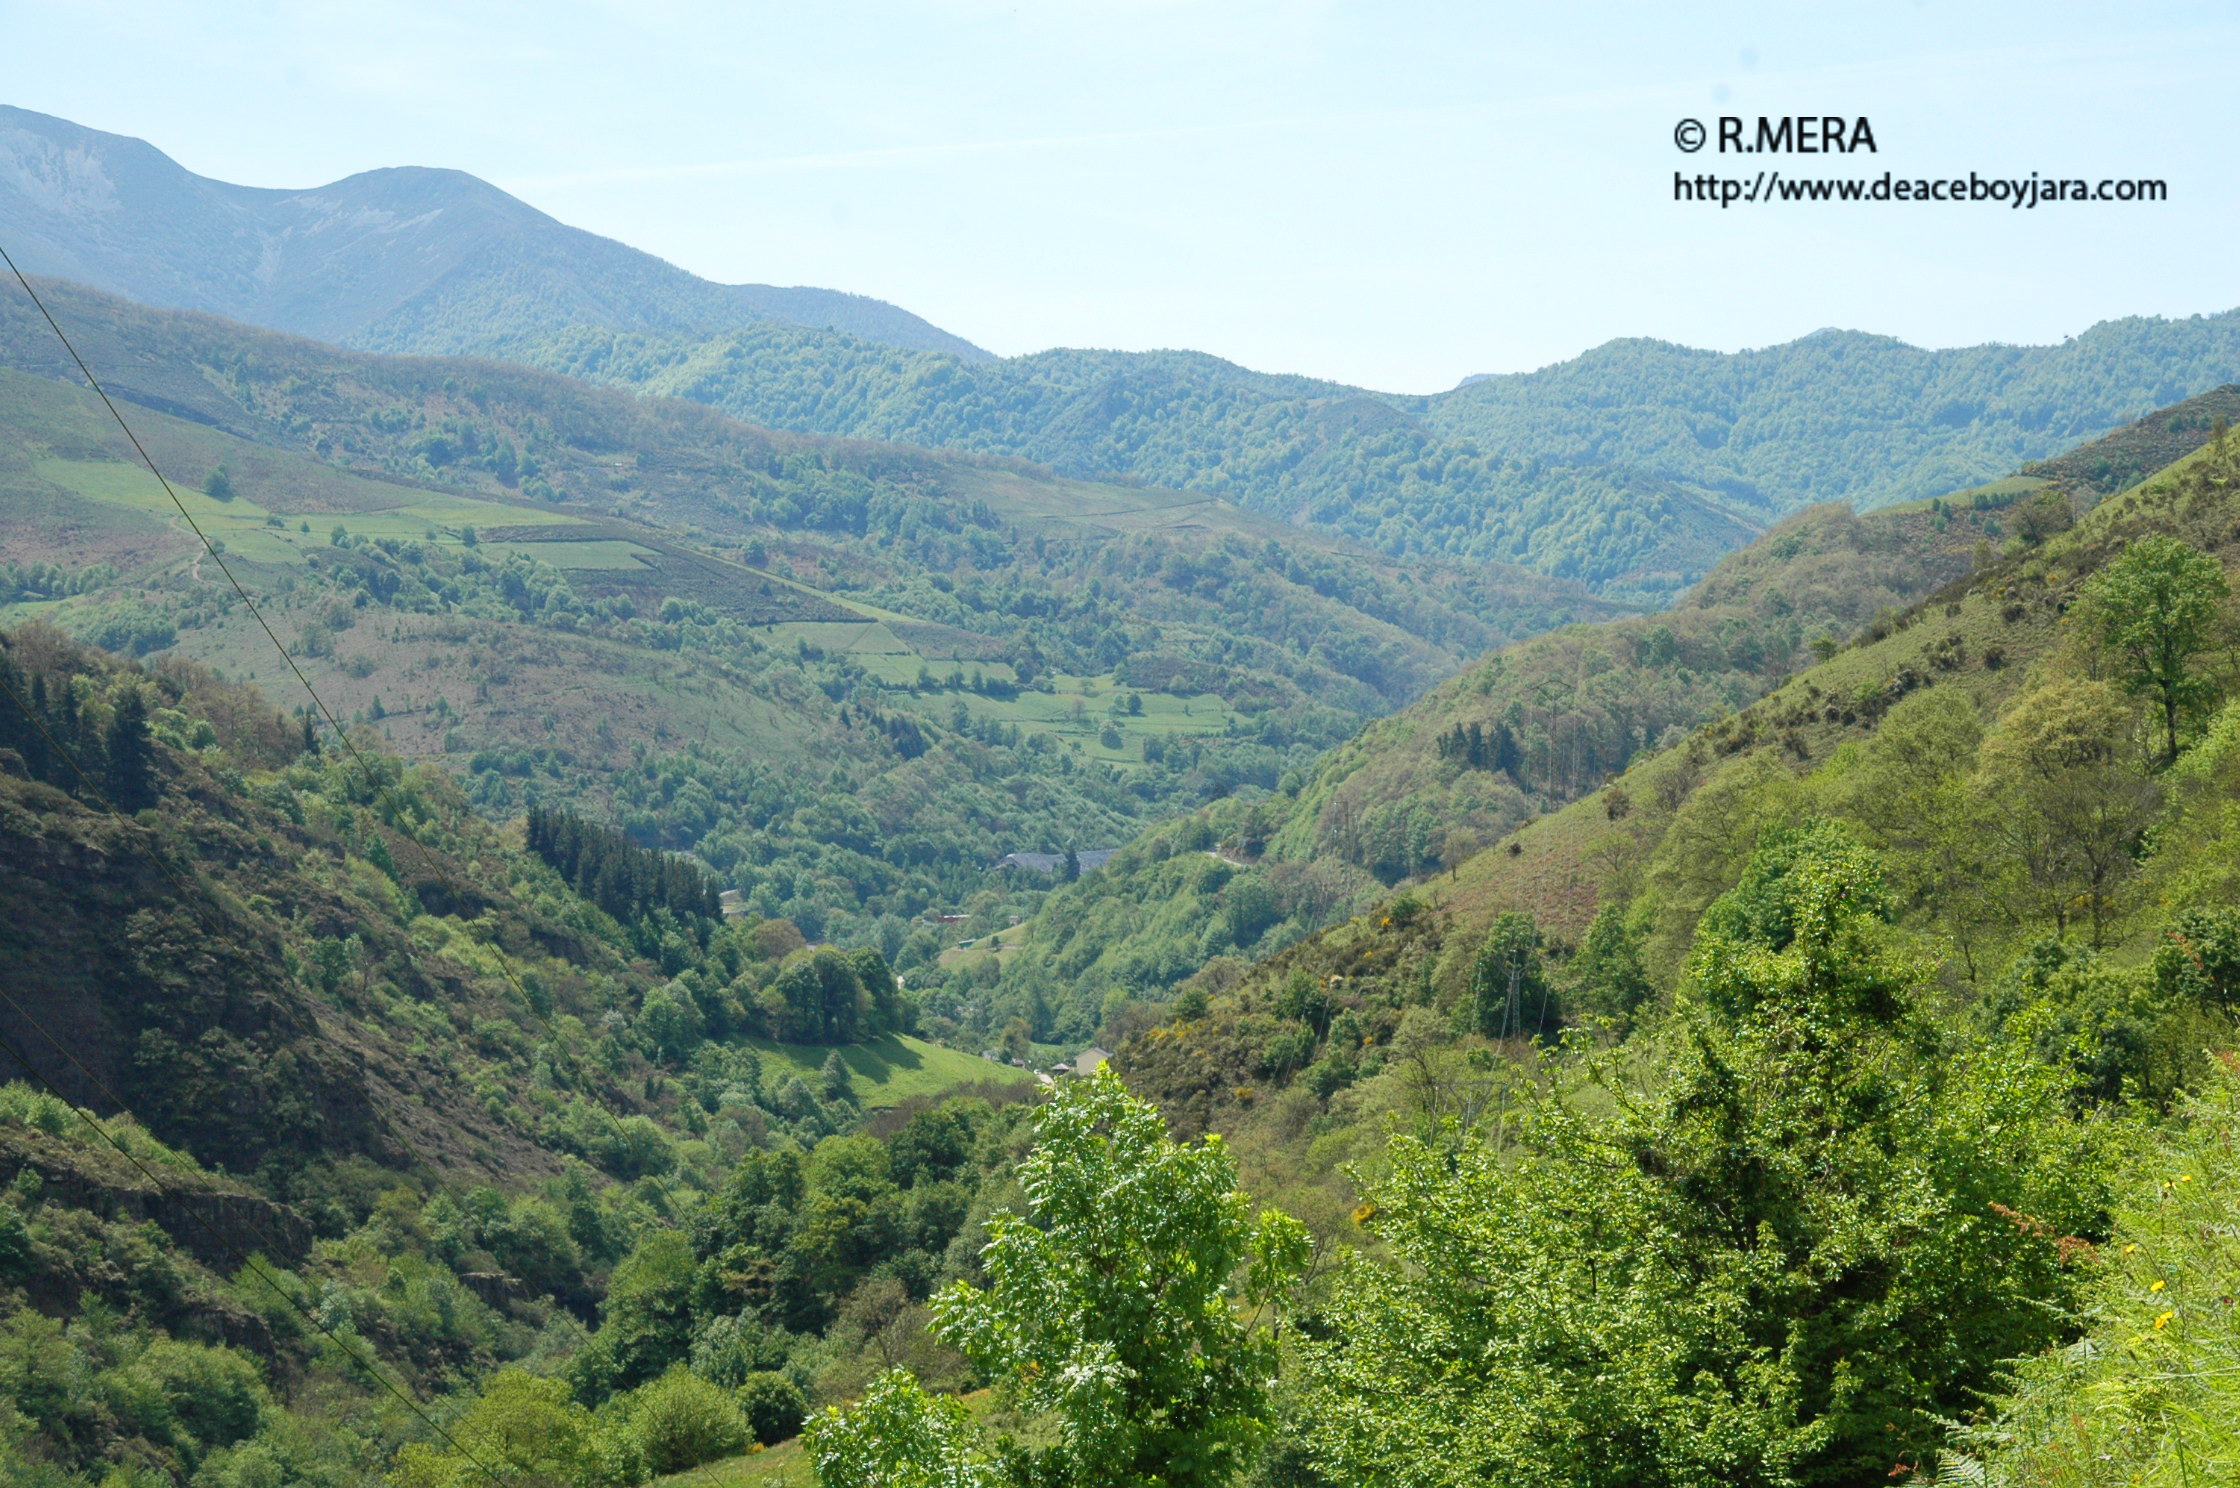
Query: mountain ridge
{"points": [[399, 258]]}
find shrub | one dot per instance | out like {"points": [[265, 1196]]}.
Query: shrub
{"points": [[680, 1421], [773, 1405]]}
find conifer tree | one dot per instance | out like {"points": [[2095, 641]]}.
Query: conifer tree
{"points": [[132, 776]]}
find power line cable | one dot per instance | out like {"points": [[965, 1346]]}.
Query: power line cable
{"points": [[372, 777], [349, 745]]}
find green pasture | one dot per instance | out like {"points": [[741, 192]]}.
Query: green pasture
{"points": [[893, 662], [241, 523], [887, 1071], [1014, 942], [860, 640], [2001, 492], [785, 1465]]}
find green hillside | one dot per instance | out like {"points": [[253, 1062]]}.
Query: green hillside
{"points": [[2049, 901], [851, 677], [1747, 1117], [1523, 732], [358, 1099], [1633, 864], [1633, 467]]}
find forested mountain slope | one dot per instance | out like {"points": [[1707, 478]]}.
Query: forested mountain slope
{"points": [[1886, 1029], [1634, 466], [394, 260], [1936, 734], [1525, 731], [379, 1097], [851, 676], [1897, 1008]]}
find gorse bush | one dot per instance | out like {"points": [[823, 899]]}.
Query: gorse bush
{"points": [[680, 1421]]}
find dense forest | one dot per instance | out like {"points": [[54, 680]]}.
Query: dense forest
{"points": [[1632, 467], [1835, 1095]]}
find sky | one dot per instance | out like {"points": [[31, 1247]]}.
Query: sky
{"points": [[1393, 195]]}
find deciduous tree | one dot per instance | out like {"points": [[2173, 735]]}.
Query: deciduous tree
{"points": [[2159, 605]]}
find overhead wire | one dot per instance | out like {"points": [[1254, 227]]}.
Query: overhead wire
{"points": [[342, 735]]}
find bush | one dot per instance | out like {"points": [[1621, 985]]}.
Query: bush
{"points": [[201, 1396], [680, 1421], [773, 1405], [521, 1430]]}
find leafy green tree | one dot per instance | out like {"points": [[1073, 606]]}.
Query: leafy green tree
{"points": [[2068, 809], [2159, 605], [1822, 1237], [773, 1405], [1914, 795], [523, 1431], [1605, 975], [898, 1436], [853, 1217], [645, 1320], [680, 1420], [836, 1080], [2199, 957], [1112, 1304]]}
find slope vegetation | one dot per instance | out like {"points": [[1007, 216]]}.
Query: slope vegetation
{"points": [[1918, 736], [1633, 467], [853, 677], [1521, 733]]}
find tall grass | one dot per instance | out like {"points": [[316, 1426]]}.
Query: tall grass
{"points": [[2150, 1395]]}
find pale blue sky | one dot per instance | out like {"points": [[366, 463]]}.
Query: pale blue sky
{"points": [[1389, 194]]}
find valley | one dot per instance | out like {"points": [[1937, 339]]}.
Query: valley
{"points": [[613, 879]]}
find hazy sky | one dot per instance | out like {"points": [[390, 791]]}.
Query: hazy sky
{"points": [[1389, 194]]}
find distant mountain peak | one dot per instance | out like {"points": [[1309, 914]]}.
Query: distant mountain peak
{"points": [[403, 258]]}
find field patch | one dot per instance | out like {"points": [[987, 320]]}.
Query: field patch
{"points": [[597, 553], [890, 1070], [276, 534]]}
